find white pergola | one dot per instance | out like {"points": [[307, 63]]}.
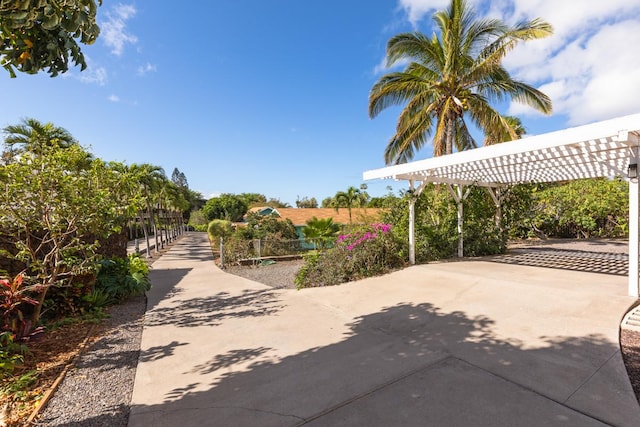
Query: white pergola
{"points": [[605, 149]]}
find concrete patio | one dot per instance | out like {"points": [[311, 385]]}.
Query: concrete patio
{"points": [[458, 343]]}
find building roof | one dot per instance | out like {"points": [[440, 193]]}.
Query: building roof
{"points": [[603, 149], [299, 216]]}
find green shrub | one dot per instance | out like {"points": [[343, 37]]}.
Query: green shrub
{"points": [[219, 228], [120, 278], [98, 299], [11, 354], [365, 252]]}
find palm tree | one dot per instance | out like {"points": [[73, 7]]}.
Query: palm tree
{"points": [[451, 78], [517, 132], [34, 136], [353, 197], [320, 232], [151, 179]]}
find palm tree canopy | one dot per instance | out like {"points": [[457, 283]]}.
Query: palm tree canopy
{"points": [[452, 78], [353, 197], [515, 130], [34, 136], [321, 231]]}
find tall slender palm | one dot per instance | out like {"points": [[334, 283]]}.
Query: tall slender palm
{"points": [[150, 178], [452, 78], [353, 197]]}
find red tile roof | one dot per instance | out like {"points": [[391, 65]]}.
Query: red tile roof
{"points": [[299, 216]]}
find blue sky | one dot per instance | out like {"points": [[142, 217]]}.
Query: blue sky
{"points": [[271, 97]]}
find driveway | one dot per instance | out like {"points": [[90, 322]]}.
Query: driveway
{"points": [[458, 343]]}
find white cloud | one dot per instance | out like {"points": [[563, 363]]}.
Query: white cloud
{"points": [[144, 69], [113, 30], [97, 75], [417, 9], [113, 98], [588, 67]]}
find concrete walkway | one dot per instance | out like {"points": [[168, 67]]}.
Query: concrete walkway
{"points": [[450, 344]]}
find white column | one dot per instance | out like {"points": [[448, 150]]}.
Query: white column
{"points": [[412, 220], [634, 249], [460, 200]]}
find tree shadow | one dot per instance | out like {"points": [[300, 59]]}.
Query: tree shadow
{"points": [[587, 261], [230, 358], [407, 365], [211, 310], [159, 352]]}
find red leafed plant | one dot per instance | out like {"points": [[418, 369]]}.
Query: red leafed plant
{"points": [[13, 297]]}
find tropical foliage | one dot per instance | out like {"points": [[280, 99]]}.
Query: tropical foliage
{"points": [[229, 207], [44, 34], [121, 278], [364, 252], [321, 232], [219, 229], [451, 80], [60, 207], [352, 198], [577, 209]]}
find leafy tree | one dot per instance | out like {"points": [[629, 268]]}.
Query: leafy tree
{"points": [[450, 78], [268, 227], [55, 213], [349, 199], [385, 201], [328, 202], [321, 232], [227, 206], [36, 35], [197, 219], [581, 208], [253, 199], [277, 203], [306, 202]]}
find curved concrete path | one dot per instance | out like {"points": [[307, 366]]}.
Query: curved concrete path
{"points": [[451, 344]]}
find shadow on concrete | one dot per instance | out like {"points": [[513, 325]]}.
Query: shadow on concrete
{"points": [[212, 309], [587, 261], [406, 365], [160, 352], [164, 283], [194, 253]]}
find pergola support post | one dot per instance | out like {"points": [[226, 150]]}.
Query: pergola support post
{"points": [[413, 197], [497, 195], [634, 230], [459, 196], [412, 228]]}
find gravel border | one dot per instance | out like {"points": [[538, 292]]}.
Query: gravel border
{"points": [[97, 390]]}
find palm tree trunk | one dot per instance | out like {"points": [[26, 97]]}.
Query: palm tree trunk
{"points": [[449, 136], [146, 234]]}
